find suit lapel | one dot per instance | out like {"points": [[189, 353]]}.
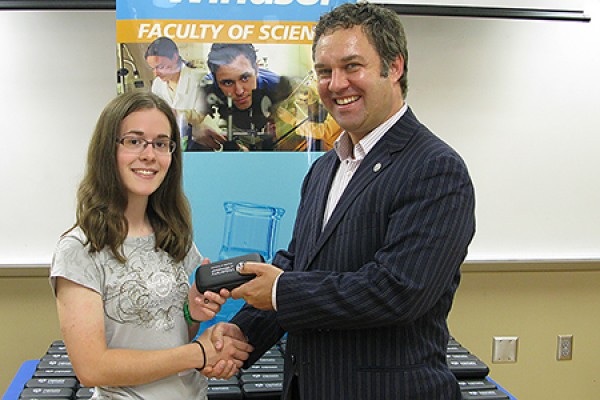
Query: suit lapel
{"points": [[376, 161], [323, 188], [324, 179], [370, 168]]}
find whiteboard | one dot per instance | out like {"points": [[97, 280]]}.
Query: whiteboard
{"points": [[517, 99], [58, 72], [520, 102]]}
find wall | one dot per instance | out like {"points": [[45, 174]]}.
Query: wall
{"points": [[59, 71], [517, 99], [29, 322], [535, 302]]}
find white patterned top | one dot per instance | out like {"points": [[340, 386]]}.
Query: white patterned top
{"points": [[143, 301]]}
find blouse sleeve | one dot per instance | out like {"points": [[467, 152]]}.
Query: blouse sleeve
{"points": [[73, 261]]}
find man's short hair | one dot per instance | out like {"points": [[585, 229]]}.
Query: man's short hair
{"points": [[224, 53], [382, 27]]}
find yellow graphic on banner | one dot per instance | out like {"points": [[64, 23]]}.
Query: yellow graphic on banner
{"points": [[144, 31]]}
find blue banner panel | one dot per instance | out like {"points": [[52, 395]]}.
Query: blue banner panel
{"points": [[226, 10], [269, 179]]}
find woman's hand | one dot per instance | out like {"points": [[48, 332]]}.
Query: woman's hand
{"points": [[204, 306]]}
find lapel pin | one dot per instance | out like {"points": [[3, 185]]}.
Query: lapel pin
{"points": [[376, 167]]}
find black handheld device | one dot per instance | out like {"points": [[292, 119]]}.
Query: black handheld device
{"points": [[224, 274]]}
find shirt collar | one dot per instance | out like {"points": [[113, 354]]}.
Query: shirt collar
{"points": [[343, 144]]}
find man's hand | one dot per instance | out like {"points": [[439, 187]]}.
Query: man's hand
{"points": [[257, 292]]}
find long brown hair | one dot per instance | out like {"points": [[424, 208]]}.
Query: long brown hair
{"points": [[102, 199]]}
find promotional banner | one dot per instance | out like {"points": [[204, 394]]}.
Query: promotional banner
{"points": [[238, 75]]}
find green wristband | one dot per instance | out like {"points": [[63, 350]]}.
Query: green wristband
{"points": [[187, 315]]}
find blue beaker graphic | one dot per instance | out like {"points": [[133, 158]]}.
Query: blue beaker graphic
{"points": [[249, 228]]}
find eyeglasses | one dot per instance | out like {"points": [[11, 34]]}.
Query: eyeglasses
{"points": [[136, 144], [166, 67], [163, 68]]}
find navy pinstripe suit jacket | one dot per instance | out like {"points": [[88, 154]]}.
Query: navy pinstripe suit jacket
{"points": [[365, 300]]}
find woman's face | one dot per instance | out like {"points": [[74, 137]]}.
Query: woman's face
{"points": [[142, 172], [167, 69]]}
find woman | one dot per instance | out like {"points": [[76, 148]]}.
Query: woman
{"points": [[120, 274], [178, 83]]}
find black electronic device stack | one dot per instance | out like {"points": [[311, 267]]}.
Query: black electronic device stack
{"points": [[54, 378]]}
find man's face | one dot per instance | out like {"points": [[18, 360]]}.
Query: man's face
{"points": [[350, 84], [237, 80], [167, 69]]}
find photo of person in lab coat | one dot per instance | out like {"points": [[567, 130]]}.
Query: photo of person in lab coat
{"points": [[177, 81]]}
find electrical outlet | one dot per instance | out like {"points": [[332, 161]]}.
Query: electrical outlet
{"points": [[564, 349], [504, 349]]}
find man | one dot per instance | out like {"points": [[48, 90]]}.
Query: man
{"points": [[383, 225], [237, 87]]}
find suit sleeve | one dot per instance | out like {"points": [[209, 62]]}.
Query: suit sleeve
{"points": [[429, 224], [261, 327]]}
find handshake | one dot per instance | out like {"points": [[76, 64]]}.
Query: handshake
{"points": [[223, 348]]}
